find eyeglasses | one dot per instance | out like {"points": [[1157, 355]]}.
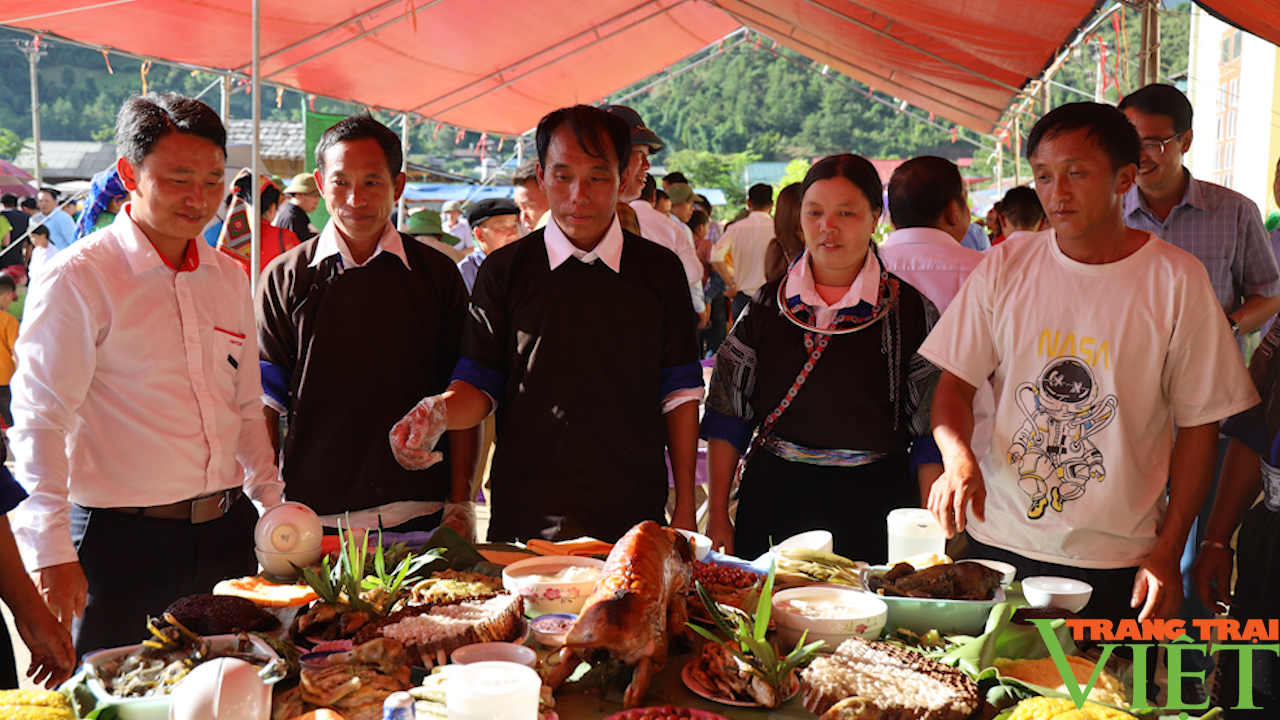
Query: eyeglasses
{"points": [[1156, 147]]}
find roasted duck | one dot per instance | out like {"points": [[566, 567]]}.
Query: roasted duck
{"points": [[637, 606], [957, 581]]}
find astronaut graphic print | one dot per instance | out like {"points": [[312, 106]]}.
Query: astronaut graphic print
{"points": [[1052, 450]]}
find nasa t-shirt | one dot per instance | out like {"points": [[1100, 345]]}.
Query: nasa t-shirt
{"points": [[1092, 365]]}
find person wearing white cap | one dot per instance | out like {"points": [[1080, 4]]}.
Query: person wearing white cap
{"points": [[456, 222]]}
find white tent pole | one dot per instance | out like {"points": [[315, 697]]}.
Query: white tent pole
{"points": [[402, 219], [255, 222]]}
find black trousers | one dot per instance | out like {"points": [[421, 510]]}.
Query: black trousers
{"points": [[136, 566]]}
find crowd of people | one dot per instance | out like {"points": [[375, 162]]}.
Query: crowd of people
{"points": [[1053, 390]]}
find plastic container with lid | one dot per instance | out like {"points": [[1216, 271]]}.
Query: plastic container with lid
{"points": [[495, 689]]}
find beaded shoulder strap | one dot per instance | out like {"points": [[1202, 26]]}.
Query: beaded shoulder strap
{"points": [[815, 343]]}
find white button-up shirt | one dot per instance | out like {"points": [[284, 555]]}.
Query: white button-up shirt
{"points": [[656, 228], [929, 260], [137, 386]]}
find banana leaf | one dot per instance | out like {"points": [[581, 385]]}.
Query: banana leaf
{"points": [[458, 555]]}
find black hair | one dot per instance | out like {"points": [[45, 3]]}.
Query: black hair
{"points": [[1108, 127], [650, 192], [600, 134], [854, 168], [362, 126], [28, 201], [920, 190], [7, 283], [759, 196], [270, 193], [1158, 99], [660, 194], [53, 193], [1022, 207], [526, 173], [675, 177], [145, 119], [9, 200], [698, 219], [40, 229]]}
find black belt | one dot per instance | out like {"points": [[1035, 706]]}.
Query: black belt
{"points": [[196, 510]]}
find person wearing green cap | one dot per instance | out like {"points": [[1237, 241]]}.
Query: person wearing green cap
{"points": [[426, 228], [302, 199]]}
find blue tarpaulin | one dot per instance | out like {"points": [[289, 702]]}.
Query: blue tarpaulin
{"points": [[433, 192]]}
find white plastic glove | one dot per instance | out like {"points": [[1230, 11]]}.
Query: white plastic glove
{"points": [[460, 517], [414, 438]]}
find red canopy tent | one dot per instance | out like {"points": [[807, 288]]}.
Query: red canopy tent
{"points": [[499, 65]]}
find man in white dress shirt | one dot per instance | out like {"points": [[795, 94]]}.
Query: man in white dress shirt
{"points": [[138, 428], [744, 244], [654, 226], [931, 216]]}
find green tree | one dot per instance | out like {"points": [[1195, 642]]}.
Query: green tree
{"points": [[717, 170], [10, 144]]}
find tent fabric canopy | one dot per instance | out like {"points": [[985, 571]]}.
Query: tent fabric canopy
{"points": [[1260, 17], [500, 65]]}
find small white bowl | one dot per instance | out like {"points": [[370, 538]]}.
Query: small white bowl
{"points": [[540, 597], [865, 616], [1008, 571], [553, 628], [280, 564], [813, 540], [288, 527], [504, 651], [701, 544], [1048, 591]]}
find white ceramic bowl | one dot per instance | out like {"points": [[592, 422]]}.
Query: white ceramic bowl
{"points": [[553, 628], [1060, 592], [155, 708], [279, 564], [541, 597], [288, 527], [485, 652], [1008, 571], [221, 689], [920, 615], [814, 540], [859, 614], [701, 544]]}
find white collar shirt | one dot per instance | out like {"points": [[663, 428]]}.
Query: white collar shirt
{"points": [[137, 386], [865, 288], [929, 260], [607, 251], [746, 243], [332, 243]]}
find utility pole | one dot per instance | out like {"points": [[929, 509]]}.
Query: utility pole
{"points": [[33, 51], [1149, 55]]}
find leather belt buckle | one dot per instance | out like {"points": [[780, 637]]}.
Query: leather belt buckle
{"points": [[210, 507]]}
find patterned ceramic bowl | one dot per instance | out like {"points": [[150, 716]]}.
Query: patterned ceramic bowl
{"points": [[553, 584], [828, 613]]}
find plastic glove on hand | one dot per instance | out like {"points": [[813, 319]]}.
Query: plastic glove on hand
{"points": [[416, 435], [460, 517]]}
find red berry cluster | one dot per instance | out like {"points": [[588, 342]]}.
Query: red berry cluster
{"points": [[710, 574]]}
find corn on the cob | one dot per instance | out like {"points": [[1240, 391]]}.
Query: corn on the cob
{"points": [[34, 705]]}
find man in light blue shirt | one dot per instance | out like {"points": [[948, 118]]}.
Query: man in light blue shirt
{"points": [[62, 229]]}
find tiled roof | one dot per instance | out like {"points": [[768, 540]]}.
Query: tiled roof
{"points": [[277, 138], [68, 160]]}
